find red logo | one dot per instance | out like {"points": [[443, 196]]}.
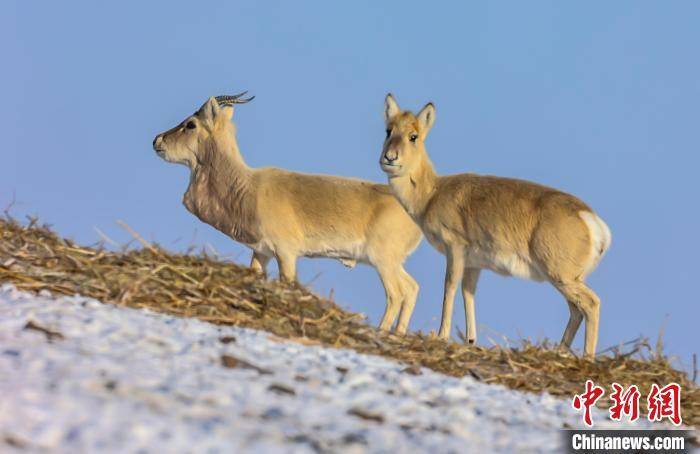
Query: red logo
{"points": [[625, 403], [665, 403], [588, 400]]}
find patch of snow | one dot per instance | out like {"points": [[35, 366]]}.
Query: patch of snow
{"points": [[113, 379]]}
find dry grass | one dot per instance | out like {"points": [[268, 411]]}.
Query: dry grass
{"points": [[34, 258]]}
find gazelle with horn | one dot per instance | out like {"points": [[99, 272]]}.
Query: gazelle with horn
{"points": [[287, 215], [509, 226]]}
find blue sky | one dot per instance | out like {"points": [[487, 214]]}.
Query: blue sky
{"points": [[600, 99]]}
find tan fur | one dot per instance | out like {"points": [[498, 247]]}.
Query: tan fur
{"points": [[287, 215], [509, 226]]}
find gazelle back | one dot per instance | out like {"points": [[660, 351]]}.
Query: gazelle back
{"points": [[509, 226]]}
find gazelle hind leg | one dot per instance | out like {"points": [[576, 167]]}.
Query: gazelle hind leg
{"points": [[469, 280], [587, 302], [410, 293], [259, 263], [287, 264], [575, 319]]}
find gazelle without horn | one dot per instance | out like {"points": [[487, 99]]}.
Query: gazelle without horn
{"points": [[287, 215], [509, 226]]}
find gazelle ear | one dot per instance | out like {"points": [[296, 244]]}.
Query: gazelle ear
{"points": [[391, 108], [209, 110], [426, 117]]}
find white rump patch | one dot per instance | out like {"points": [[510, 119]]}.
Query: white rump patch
{"points": [[600, 239]]}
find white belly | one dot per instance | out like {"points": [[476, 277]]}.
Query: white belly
{"points": [[504, 263], [347, 252]]}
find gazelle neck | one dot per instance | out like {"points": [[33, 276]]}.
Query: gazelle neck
{"points": [[415, 189], [223, 149], [220, 188], [221, 158]]}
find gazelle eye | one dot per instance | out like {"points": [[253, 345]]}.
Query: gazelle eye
{"points": [[414, 137], [388, 133], [191, 125]]}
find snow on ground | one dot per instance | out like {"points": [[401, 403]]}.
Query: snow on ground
{"points": [[122, 380]]}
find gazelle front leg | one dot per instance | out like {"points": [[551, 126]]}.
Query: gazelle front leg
{"points": [[393, 302], [410, 293], [471, 276], [453, 274]]}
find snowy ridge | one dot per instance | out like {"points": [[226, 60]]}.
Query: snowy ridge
{"points": [[112, 379]]}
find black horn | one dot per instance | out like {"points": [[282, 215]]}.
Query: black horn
{"points": [[227, 100]]}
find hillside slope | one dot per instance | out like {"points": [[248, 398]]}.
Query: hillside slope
{"points": [[82, 376], [34, 258]]}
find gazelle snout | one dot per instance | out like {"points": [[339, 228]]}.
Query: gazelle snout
{"points": [[390, 156], [389, 161], [157, 142]]}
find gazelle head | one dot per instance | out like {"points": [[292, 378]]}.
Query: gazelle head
{"points": [[184, 143], [404, 147]]}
